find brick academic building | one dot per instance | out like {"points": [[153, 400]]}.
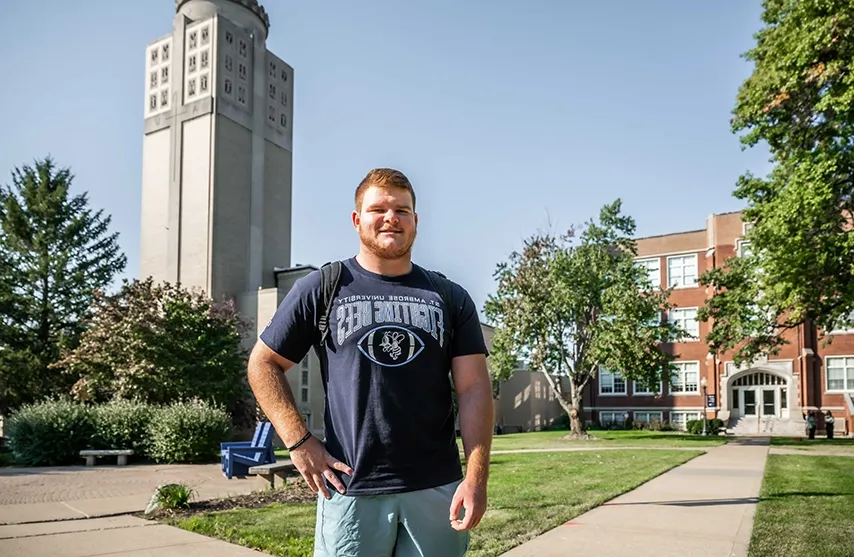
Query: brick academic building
{"points": [[770, 396]]}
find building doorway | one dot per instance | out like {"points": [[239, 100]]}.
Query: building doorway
{"points": [[761, 395]]}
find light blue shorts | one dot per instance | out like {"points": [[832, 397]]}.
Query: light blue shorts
{"points": [[413, 524]]}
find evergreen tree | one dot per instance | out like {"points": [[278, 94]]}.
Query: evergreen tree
{"points": [[55, 251]]}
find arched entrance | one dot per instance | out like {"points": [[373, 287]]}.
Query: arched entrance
{"points": [[760, 394]]}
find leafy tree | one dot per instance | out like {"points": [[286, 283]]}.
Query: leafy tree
{"points": [[573, 304], [54, 252], [799, 101], [161, 343]]}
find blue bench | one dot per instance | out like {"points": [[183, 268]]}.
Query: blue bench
{"points": [[238, 456]]}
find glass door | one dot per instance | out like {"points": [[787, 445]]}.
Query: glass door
{"points": [[769, 402], [748, 402]]}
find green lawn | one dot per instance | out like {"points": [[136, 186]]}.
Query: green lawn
{"points": [[278, 529], [806, 508], [528, 494], [803, 444], [617, 438]]}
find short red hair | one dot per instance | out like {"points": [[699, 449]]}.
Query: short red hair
{"points": [[383, 178]]}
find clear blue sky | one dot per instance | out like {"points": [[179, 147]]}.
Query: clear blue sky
{"points": [[505, 115]]}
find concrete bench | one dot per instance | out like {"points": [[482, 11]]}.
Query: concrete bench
{"points": [[267, 473], [122, 455]]}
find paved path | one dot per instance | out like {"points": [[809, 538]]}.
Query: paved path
{"points": [[703, 508], [69, 492], [38, 508], [120, 536]]}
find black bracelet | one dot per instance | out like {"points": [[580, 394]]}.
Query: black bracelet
{"points": [[300, 442]]}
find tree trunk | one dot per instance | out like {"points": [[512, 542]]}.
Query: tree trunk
{"points": [[576, 417], [577, 429], [574, 407]]}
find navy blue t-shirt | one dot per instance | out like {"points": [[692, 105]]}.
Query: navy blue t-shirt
{"points": [[389, 412]]}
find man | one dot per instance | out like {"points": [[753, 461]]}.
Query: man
{"points": [[388, 472]]}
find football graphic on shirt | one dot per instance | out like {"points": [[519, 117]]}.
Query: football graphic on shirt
{"points": [[391, 345]]}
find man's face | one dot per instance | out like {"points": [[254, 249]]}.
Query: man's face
{"points": [[386, 222]]}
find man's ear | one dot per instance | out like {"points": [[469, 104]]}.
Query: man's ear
{"points": [[355, 218]]}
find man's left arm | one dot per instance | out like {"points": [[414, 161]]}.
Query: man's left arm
{"points": [[474, 400], [475, 406]]}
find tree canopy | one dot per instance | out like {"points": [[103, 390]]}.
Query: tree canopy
{"points": [[570, 305], [160, 343], [799, 101], [54, 252]]}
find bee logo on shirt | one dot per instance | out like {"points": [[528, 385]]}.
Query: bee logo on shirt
{"points": [[390, 345]]}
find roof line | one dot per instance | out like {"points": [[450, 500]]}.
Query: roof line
{"points": [[671, 234]]}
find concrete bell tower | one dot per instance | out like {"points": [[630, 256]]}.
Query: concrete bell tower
{"points": [[217, 152]]}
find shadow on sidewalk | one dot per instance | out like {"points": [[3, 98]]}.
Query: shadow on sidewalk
{"points": [[749, 441], [691, 503]]}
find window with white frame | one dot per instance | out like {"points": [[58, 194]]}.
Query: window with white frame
{"points": [[685, 378], [645, 417], [610, 383], [680, 420], [839, 371], [304, 381], [743, 248], [653, 270], [685, 319], [641, 388], [682, 270], [612, 417]]}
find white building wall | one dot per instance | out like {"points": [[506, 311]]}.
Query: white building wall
{"points": [[156, 151]]}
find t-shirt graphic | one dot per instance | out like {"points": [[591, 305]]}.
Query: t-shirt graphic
{"points": [[389, 411], [395, 339]]}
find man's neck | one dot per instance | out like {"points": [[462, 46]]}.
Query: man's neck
{"points": [[388, 267]]}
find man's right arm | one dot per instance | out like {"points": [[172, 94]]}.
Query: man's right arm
{"points": [[286, 339], [266, 374]]}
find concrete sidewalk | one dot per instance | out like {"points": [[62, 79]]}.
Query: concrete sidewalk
{"points": [[704, 508], [123, 536], [69, 511], [73, 492]]}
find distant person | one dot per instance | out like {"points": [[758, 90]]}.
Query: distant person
{"points": [[396, 331], [829, 420], [811, 424]]}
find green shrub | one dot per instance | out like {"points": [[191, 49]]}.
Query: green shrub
{"points": [[50, 433], [170, 496], [188, 432], [123, 424], [6, 460], [713, 426]]}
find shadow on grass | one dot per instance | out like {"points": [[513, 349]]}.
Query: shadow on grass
{"points": [[618, 435], [804, 494]]}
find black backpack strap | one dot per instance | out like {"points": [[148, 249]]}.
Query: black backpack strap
{"points": [[445, 289], [330, 277]]}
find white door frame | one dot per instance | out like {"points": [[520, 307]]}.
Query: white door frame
{"points": [[759, 400]]}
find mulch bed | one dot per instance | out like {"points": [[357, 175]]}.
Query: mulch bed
{"points": [[294, 492]]}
